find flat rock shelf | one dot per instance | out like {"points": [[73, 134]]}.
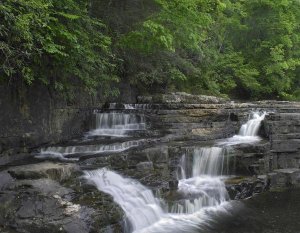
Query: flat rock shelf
{"points": [[172, 163]]}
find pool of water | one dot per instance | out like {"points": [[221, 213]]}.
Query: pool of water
{"points": [[270, 212]]}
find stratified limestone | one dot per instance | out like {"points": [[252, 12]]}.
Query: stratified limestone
{"points": [[50, 170]]}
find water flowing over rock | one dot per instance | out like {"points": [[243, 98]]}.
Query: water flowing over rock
{"points": [[117, 124], [167, 164], [141, 207], [201, 186], [248, 132], [252, 126], [65, 153], [111, 124]]}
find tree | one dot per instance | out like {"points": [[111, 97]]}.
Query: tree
{"points": [[54, 41]]}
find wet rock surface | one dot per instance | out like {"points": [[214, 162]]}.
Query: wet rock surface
{"points": [[34, 203], [53, 197], [50, 170]]}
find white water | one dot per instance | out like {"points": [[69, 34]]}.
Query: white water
{"points": [[107, 124], [117, 124], [201, 187], [209, 161], [144, 214], [248, 132], [114, 106], [251, 128], [64, 152], [141, 207]]}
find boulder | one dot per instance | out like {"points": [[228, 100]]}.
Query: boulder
{"points": [[144, 166], [181, 97], [55, 171], [289, 177]]}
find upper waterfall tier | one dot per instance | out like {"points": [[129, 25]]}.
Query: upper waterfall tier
{"points": [[248, 132], [117, 124], [252, 126], [141, 207]]}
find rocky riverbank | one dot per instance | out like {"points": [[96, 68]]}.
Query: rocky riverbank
{"points": [[52, 196]]}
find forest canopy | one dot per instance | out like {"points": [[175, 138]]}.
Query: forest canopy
{"points": [[235, 48]]}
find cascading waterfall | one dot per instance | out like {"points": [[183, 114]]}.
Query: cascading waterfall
{"points": [[248, 132], [210, 161], [141, 207], [201, 188], [68, 151], [251, 128], [117, 124], [114, 124], [144, 214], [114, 106]]}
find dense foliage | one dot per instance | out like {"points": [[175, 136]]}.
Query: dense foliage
{"points": [[238, 48], [54, 41], [241, 48]]}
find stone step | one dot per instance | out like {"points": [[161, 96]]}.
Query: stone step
{"points": [[285, 136], [290, 116], [281, 128], [292, 145], [55, 171], [285, 177]]}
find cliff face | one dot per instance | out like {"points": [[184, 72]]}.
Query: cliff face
{"points": [[32, 116], [174, 125], [35, 115]]}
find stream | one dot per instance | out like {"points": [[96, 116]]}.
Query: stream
{"points": [[201, 178], [187, 189]]}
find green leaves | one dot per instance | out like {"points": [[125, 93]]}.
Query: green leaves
{"points": [[244, 49], [54, 41], [150, 38]]}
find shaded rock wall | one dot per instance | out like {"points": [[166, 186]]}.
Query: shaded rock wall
{"points": [[36, 115], [283, 130], [33, 116]]}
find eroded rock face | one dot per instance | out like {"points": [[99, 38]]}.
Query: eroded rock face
{"points": [[181, 97], [283, 130], [45, 205], [49, 170], [51, 196]]}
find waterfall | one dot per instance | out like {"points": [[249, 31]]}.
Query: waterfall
{"points": [[251, 128], [68, 151], [114, 106], [117, 124], [202, 193], [201, 190], [248, 132], [114, 124], [209, 161], [202, 186], [141, 207]]}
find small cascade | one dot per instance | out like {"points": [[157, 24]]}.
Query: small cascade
{"points": [[68, 151], [141, 207], [119, 106], [114, 124], [248, 132], [210, 161], [144, 214], [201, 188], [117, 124], [201, 184], [199, 192], [129, 106], [252, 126]]}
